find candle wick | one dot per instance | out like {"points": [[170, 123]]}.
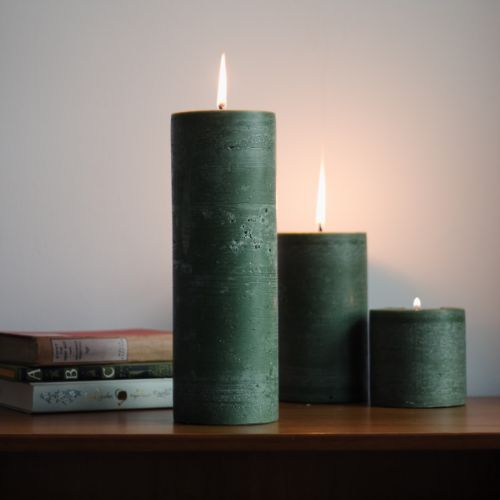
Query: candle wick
{"points": [[320, 228], [222, 106]]}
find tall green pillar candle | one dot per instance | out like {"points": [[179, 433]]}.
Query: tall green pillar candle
{"points": [[323, 317], [225, 267], [417, 357]]}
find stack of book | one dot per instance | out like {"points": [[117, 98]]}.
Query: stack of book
{"points": [[86, 371]]}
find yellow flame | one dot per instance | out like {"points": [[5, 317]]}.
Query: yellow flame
{"points": [[222, 88], [417, 304], [321, 199]]}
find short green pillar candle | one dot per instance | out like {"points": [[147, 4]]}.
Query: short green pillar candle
{"points": [[225, 267], [417, 357], [323, 317]]}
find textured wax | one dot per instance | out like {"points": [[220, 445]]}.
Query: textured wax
{"points": [[417, 357], [225, 267], [323, 317]]}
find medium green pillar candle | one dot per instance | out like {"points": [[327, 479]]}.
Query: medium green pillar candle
{"points": [[323, 317], [225, 267], [417, 357]]}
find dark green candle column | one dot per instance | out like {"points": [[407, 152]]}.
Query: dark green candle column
{"points": [[323, 317], [225, 267], [417, 357]]}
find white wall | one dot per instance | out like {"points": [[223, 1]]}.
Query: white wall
{"points": [[404, 95]]}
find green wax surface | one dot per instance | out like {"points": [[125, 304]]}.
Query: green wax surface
{"points": [[225, 267], [417, 357], [323, 317]]}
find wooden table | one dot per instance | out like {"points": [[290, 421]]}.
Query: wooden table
{"points": [[318, 451]]}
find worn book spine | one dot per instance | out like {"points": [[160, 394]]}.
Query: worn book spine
{"points": [[130, 348], [85, 347], [55, 397], [86, 372]]}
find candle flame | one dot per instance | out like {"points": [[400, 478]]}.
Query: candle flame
{"points": [[321, 199], [222, 88], [417, 304]]}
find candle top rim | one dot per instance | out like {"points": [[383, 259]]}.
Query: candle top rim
{"points": [[322, 233], [221, 112], [406, 310]]}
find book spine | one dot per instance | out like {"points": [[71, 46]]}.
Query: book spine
{"points": [[9, 372], [52, 397], [86, 372], [93, 350]]}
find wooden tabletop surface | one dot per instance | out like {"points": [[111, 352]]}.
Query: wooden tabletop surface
{"points": [[300, 428]]}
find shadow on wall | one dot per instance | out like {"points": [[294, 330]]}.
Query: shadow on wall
{"points": [[483, 346], [387, 288]]}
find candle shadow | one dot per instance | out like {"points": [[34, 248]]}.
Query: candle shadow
{"points": [[387, 288]]}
